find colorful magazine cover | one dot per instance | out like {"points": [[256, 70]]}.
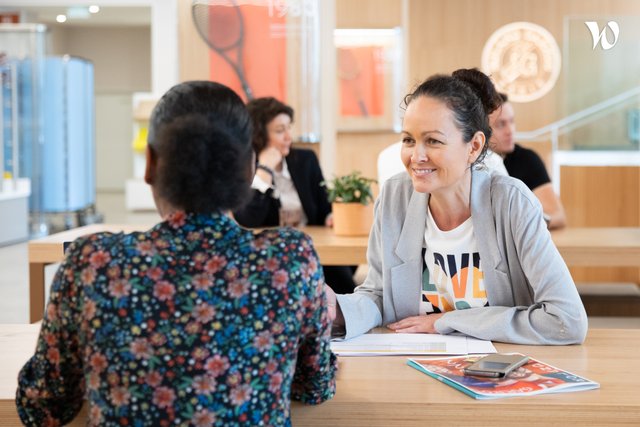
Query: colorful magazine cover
{"points": [[534, 377]]}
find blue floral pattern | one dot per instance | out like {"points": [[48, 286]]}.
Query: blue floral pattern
{"points": [[194, 322]]}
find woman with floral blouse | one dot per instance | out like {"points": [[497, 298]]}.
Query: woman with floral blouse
{"points": [[196, 321]]}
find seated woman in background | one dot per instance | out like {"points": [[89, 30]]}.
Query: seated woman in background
{"points": [[196, 321], [454, 248], [286, 186]]}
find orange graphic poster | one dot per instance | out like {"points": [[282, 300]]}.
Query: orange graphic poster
{"points": [[361, 80], [248, 49]]}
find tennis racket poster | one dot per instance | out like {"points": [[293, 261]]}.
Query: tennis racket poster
{"points": [[369, 78], [266, 48], [361, 80]]}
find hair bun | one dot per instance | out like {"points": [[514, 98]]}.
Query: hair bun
{"points": [[481, 85]]}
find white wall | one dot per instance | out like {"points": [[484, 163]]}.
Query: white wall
{"points": [[122, 65], [121, 56], [114, 162]]}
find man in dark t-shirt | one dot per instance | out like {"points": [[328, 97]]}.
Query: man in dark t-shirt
{"points": [[524, 164], [527, 166]]}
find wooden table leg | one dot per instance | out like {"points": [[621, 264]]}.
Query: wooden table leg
{"points": [[36, 291]]}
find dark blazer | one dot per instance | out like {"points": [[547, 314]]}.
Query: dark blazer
{"points": [[262, 210]]}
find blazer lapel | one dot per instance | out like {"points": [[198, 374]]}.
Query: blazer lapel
{"points": [[294, 169], [406, 277], [300, 179], [484, 225]]}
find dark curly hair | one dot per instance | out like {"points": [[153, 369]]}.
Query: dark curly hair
{"points": [[262, 111], [200, 136], [469, 94]]}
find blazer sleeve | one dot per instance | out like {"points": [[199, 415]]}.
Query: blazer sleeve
{"points": [[362, 310], [537, 299], [261, 211]]}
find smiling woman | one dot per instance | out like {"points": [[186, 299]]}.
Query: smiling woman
{"points": [[487, 266], [437, 158]]}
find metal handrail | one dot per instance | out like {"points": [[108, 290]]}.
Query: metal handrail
{"points": [[562, 126], [557, 128]]}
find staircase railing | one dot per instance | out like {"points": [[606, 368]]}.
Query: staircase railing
{"points": [[581, 118]]}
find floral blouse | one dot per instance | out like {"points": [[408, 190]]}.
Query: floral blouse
{"points": [[195, 322]]}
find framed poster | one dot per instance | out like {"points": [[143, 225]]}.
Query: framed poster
{"points": [[369, 78], [266, 48]]}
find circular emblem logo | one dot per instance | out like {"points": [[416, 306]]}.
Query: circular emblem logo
{"points": [[523, 60]]}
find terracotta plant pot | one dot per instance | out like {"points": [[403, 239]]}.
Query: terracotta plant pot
{"points": [[352, 219]]}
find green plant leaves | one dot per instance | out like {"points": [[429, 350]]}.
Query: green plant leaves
{"points": [[351, 188]]}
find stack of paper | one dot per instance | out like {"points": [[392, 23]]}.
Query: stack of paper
{"points": [[397, 344]]}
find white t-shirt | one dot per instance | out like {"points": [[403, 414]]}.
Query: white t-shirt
{"points": [[493, 162], [453, 279]]}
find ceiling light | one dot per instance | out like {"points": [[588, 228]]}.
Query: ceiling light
{"points": [[78, 12], [94, 8], [61, 18]]}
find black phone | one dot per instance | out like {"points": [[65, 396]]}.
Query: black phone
{"points": [[496, 365]]}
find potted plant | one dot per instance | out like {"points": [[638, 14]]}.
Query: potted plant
{"points": [[351, 199]]}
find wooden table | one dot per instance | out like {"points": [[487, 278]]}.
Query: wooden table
{"points": [[599, 247], [384, 391]]}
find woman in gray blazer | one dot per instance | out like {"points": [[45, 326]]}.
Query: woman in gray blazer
{"points": [[454, 249]]}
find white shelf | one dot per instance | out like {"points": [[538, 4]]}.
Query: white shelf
{"points": [[597, 158], [138, 196], [14, 210]]}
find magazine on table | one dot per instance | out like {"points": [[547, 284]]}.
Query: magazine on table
{"points": [[535, 377]]}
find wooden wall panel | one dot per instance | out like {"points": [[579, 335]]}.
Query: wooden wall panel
{"points": [[359, 151], [447, 35], [368, 13], [602, 197]]}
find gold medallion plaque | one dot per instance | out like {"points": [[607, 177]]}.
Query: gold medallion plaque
{"points": [[523, 60]]}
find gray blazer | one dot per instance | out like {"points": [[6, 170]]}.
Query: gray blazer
{"points": [[532, 297]]}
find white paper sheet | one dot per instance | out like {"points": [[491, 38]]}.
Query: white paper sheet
{"points": [[398, 344]]}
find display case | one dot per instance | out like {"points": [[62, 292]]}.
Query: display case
{"points": [[21, 53], [68, 130], [14, 191], [50, 128]]}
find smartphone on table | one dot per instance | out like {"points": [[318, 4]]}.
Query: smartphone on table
{"points": [[496, 365]]}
